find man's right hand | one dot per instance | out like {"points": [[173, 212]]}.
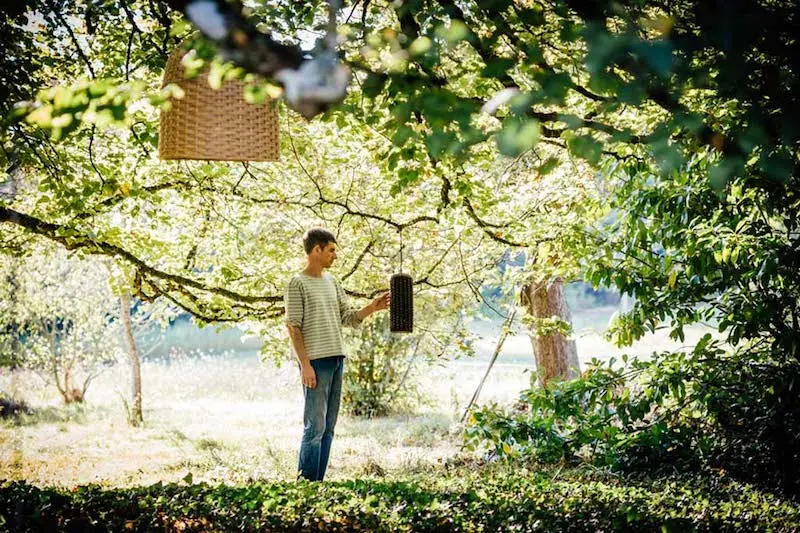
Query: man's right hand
{"points": [[308, 376]]}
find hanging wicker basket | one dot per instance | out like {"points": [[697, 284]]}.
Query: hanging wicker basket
{"points": [[216, 124], [401, 311]]}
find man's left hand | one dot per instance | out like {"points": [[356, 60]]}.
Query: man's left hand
{"points": [[381, 302]]}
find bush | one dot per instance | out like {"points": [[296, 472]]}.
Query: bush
{"points": [[382, 367], [379, 372], [709, 408], [10, 407], [499, 499], [693, 250]]}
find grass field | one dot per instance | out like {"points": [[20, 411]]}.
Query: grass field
{"points": [[233, 418], [224, 418]]}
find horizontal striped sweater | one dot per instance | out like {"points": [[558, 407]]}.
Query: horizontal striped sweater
{"points": [[319, 307]]}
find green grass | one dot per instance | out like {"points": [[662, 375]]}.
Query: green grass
{"points": [[233, 418]]}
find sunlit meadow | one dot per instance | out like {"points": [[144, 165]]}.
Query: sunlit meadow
{"points": [[233, 418]]}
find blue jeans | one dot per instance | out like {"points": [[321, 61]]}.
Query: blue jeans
{"points": [[319, 417]]}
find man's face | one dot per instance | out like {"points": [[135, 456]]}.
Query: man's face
{"points": [[327, 254]]}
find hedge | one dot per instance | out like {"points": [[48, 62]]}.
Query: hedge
{"points": [[469, 501]]}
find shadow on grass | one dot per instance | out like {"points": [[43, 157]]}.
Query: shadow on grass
{"points": [[11, 408], [18, 413]]}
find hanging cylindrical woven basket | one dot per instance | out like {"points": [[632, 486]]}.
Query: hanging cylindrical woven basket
{"points": [[401, 312], [215, 124]]}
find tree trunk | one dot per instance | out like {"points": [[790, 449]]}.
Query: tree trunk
{"points": [[556, 355], [135, 417], [11, 344]]}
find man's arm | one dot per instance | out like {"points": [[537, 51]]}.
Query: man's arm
{"points": [[352, 317], [295, 313], [378, 304], [307, 374]]}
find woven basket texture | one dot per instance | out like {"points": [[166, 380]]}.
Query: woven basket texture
{"points": [[214, 124], [401, 312]]}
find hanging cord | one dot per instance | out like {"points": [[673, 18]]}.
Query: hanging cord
{"points": [[400, 233], [332, 35]]}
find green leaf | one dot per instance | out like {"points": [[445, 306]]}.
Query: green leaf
{"points": [[724, 171], [401, 135], [534, 53], [632, 93], [256, 94], [456, 32], [658, 55], [532, 16], [497, 68], [571, 121], [438, 142], [604, 48], [586, 147], [517, 136], [778, 165], [548, 166], [373, 85], [406, 176], [555, 86], [420, 46]]}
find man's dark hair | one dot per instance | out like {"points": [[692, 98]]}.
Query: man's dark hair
{"points": [[317, 236]]}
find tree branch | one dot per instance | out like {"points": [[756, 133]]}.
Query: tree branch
{"points": [[488, 228], [68, 238]]}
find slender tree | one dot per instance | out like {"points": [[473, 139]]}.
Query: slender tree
{"points": [[135, 416]]}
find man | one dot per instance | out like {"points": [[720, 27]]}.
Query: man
{"points": [[316, 310]]}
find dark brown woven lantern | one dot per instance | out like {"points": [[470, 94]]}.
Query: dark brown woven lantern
{"points": [[401, 311]]}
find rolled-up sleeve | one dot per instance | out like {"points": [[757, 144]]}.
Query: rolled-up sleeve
{"points": [[348, 314], [293, 303]]}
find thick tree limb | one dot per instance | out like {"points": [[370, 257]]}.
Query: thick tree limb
{"points": [[67, 237]]}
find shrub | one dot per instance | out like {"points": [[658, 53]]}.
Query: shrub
{"points": [[500, 499], [11, 407], [379, 373], [709, 408], [382, 367]]}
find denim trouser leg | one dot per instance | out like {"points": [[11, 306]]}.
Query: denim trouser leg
{"points": [[334, 399], [319, 417]]}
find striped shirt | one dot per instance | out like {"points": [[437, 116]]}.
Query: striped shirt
{"points": [[319, 307]]}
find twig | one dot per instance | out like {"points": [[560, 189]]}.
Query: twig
{"points": [[497, 349]]}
